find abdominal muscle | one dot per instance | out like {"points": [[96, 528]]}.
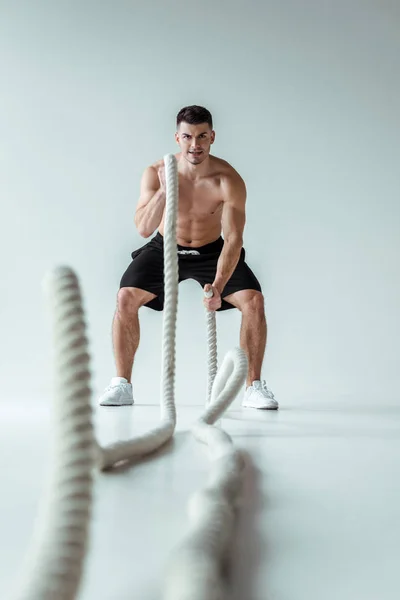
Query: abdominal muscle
{"points": [[197, 225]]}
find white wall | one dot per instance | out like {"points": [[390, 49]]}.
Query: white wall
{"points": [[305, 97]]}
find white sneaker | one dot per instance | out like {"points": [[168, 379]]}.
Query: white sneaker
{"points": [[118, 393], [258, 395]]}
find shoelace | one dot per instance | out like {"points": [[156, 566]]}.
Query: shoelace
{"points": [[111, 387], [267, 390]]}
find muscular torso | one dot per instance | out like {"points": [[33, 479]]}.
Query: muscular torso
{"points": [[200, 205]]}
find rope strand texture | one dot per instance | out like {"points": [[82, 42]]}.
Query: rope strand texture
{"points": [[212, 355], [196, 568], [157, 437], [54, 564]]}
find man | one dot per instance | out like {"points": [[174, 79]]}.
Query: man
{"points": [[212, 198]]}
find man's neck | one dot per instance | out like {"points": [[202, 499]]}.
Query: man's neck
{"points": [[193, 171]]}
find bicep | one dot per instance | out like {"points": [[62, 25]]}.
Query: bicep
{"points": [[148, 186], [234, 209]]}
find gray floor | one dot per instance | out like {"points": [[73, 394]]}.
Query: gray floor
{"points": [[320, 519]]}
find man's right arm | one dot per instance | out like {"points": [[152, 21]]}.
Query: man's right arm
{"points": [[151, 205]]}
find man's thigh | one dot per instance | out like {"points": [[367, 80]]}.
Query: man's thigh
{"points": [[241, 287], [146, 272]]}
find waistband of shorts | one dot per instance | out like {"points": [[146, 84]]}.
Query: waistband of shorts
{"points": [[212, 247]]}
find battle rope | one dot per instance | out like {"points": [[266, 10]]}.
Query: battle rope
{"points": [[55, 562]]}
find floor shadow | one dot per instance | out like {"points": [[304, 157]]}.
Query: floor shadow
{"points": [[308, 431]]}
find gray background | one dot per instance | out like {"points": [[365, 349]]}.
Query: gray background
{"points": [[305, 98]]}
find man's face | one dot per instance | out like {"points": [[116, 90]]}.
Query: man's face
{"points": [[195, 141]]}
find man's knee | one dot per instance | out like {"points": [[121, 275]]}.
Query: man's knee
{"points": [[247, 300], [130, 299], [253, 302]]}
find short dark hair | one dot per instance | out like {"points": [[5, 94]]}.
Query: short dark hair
{"points": [[194, 115]]}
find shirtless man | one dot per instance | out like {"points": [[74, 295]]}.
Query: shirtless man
{"points": [[212, 198]]}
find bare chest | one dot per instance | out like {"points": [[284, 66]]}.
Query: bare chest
{"points": [[199, 201]]}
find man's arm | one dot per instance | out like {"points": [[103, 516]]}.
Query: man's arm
{"points": [[151, 203], [233, 222]]}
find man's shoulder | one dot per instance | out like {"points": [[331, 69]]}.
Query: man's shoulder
{"points": [[231, 184], [156, 165], [226, 172]]}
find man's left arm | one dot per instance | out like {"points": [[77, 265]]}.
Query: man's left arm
{"points": [[233, 222]]}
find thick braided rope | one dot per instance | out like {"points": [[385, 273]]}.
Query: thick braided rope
{"points": [[212, 360], [158, 436], [54, 564], [196, 568]]}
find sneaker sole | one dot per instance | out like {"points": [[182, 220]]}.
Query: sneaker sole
{"points": [[116, 403], [260, 407]]}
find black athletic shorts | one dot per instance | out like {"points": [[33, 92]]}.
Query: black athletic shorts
{"points": [[146, 270]]}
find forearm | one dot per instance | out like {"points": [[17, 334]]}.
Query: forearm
{"points": [[148, 218], [227, 262]]}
